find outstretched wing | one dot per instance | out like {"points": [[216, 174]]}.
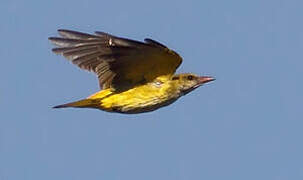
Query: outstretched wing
{"points": [[118, 62]]}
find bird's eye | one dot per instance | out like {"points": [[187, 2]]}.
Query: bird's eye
{"points": [[190, 77]]}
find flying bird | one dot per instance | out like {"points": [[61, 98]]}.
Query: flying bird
{"points": [[134, 77]]}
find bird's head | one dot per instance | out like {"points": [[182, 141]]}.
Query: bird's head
{"points": [[188, 82]]}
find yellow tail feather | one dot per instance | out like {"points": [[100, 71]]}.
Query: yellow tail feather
{"points": [[78, 104], [90, 102]]}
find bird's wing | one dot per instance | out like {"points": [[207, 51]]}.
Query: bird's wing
{"points": [[118, 62]]}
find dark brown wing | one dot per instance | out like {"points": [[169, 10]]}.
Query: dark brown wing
{"points": [[118, 62]]}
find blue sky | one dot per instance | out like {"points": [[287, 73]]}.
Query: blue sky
{"points": [[245, 125]]}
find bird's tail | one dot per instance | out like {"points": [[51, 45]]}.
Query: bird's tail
{"points": [[84, 103], [92, 101]]}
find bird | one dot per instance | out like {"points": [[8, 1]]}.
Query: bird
{"points": [[134, 76]]}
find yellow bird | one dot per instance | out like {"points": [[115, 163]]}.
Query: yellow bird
{"points": [[134, 77]]}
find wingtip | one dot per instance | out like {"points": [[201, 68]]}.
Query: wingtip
{"points": [[63, 30], [51, 39], [60, 31], [65, 33]]}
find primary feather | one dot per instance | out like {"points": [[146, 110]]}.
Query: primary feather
{"points": [[119, 63]]}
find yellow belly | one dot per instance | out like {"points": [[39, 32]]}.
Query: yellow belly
{"points": [[139, 99]]}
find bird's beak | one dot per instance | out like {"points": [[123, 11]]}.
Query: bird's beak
{"points": [[205, 79]]}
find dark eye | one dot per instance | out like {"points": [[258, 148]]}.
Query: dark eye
{"points": [[190, 77]]}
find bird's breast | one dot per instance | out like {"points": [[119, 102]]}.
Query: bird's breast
{"points": [[143, 98]]}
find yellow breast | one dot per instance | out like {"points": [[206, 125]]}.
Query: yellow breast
{"points": [[142, 98]]}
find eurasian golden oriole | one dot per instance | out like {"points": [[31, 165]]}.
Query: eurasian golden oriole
{"points": [[134, 76]]}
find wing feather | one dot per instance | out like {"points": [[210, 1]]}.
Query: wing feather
{"points": [[119, 63]]}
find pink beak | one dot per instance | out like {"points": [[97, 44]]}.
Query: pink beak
{"points": [[205, 79]]}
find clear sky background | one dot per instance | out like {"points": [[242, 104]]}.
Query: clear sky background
{"points": [[245, 125]]}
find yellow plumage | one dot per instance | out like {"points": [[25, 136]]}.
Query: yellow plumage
{"points": [[140, 99], [136, 77]]}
